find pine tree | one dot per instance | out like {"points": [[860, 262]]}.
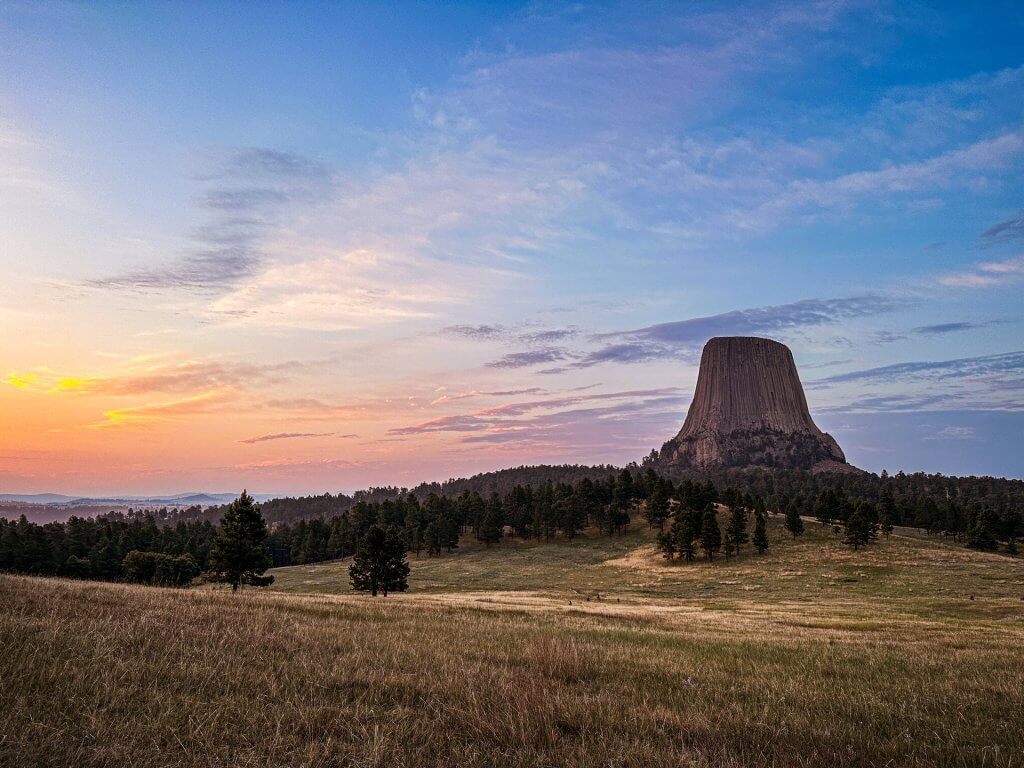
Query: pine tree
{"points": [[656, 507], [239, 554], [493, 521], [858, 531], [687, 534], [760, 538], [736, 531], [710, 533], [794, 523], [982, 534], [433, 537], [667, 544], [379, 564], [886, 525]]}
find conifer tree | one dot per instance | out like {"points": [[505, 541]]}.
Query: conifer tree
{"points": [[710, 533], [656, 507], [858, 531], [433, 537], [493, 521], [379, 564], [239, 554], [760, 538], [667, 544], [686, 535], [982, 534], [736, 531], [794, 523]]}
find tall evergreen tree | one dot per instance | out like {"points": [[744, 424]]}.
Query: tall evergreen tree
{"points": [[493, 521], [736, 531], [239, 554], [379, 564], [858, 531], [760, 538], [982, 535], [656, 506], [710, 533], [794, 523]]}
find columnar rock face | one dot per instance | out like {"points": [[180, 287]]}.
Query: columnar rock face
{"points": [[749, 410]]}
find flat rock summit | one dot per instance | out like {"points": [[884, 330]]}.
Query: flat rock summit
{"points": [[749, 410]]}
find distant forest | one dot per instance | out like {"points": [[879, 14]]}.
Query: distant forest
{"points": [[540, 502]]}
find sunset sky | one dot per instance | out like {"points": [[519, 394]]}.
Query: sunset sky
{"points": [[306, 248]]}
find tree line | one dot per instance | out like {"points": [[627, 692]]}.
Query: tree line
{"points": [[984, 513], [136, 548]]}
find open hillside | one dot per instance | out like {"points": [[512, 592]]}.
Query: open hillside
{"points": [[593, 652], [908, 571]]}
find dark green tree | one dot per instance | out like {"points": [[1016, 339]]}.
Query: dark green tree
{"points": [[760, 538], [794, 523], [656, 507], [433, 537], [710, 533], [379, 564], [736, 531], [239, 554], [493, 521], [858, 531], [982, 534]]}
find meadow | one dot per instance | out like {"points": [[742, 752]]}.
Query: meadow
{"points": [[587, 653]]}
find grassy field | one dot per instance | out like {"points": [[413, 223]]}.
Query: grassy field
{"points": [[909, 654]]}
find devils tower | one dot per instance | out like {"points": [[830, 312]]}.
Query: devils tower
{"points": [[749, 410]]}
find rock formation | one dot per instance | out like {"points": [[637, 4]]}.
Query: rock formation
{"points": [[749, 410]]}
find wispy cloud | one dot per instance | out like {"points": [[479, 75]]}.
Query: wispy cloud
{"points": [[291, 436], [143, 415], [502, 415], [685, 337], [161, 375], [247, 196], [940, 329], [1010, 229], [990, 274], [1007, 363], [530, 357]]}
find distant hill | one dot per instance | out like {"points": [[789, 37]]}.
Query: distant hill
{"points": [[174, 500], [36, 498]]}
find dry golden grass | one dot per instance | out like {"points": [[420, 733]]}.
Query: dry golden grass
{"points": [[809, 656]]}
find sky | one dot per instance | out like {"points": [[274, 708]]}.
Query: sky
{"points": [[317, 247]]}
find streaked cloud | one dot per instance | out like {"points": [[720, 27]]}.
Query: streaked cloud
{"points": [[247, 196], [990, 274], [143, 415], [1010, 229], [683, 338], [530, 357], [292, 436]]}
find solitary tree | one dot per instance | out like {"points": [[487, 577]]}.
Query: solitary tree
{"points": [[239, 554], [760, 538], [710, 533], [858, 531], [379, 564], [794, 523]]}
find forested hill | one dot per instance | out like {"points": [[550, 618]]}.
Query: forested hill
{"points": [[289, 509], [935, 501]]}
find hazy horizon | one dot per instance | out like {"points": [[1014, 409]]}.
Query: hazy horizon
{"points": [[298, 252]]}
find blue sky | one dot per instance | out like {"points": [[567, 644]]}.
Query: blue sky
{"points": [[312, 247]]}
